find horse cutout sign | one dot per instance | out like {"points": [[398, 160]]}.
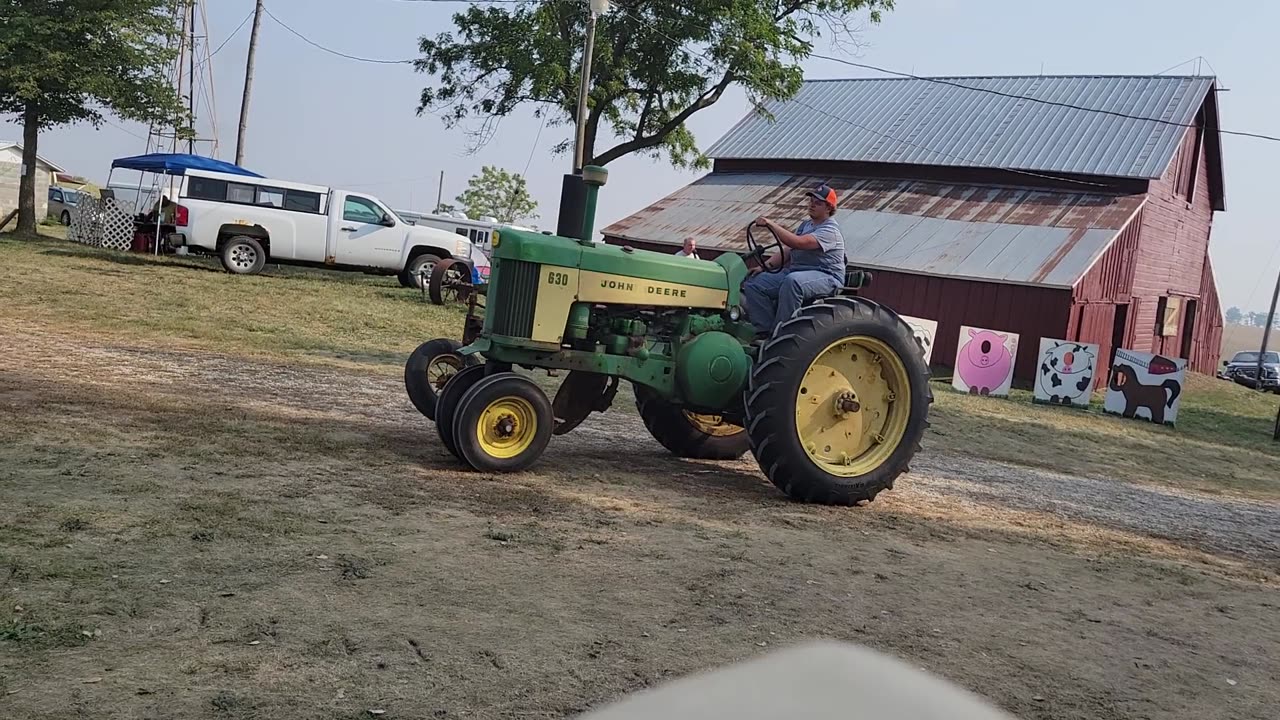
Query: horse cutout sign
{"points": [[1145, 386], [984, 361], [1066, 373]]}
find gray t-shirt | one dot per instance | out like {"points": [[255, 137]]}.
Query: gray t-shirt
{"points": [[828, 257]]}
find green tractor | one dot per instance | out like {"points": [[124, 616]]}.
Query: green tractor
{"points": [[833, 406]]}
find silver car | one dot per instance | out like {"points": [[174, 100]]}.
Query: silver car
{"points": [[61, 202]]}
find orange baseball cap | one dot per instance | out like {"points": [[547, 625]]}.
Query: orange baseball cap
{"points": [[824, 193]]}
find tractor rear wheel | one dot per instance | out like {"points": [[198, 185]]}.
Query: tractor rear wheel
{"points": [[838, 402], [429, 368], [689, 435], [503, 423], [447, 403]]}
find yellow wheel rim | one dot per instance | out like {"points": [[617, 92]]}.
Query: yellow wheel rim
{"points": [[853, 406], [713, 425], [507, 427]]}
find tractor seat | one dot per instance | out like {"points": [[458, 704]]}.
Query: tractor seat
{"points": [[855, 280]]}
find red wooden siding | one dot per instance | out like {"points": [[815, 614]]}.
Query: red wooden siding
{"points": [[1173, 247], [1032, 312], [1111, 277], [1206, 345]]}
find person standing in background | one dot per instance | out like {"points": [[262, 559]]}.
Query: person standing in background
{"points": [[690, 249]]}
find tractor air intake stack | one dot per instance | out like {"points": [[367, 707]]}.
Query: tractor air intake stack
{"points": [[594, 177]]}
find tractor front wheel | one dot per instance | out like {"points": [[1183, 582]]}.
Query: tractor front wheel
{"points": [[687, 434], [450, 398], [503, 423], [429, 368], [838, 402]]}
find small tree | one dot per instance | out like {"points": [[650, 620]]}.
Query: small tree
{"points": [[500, 194], [66, 61], [1235, 315]]}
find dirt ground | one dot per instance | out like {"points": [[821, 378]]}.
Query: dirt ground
{"points": [[188, 535]]}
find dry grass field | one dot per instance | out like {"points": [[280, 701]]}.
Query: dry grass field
{"points": [[217, 502]]}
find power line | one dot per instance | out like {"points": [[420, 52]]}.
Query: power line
{"points": [[534, 148], [1055, 103], [331, 51], [230, 37], [967, 161]]}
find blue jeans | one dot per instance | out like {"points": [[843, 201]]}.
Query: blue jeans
{"points": [[773, 297]]}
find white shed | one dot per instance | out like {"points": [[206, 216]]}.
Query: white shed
{"points": [[10, 174]]}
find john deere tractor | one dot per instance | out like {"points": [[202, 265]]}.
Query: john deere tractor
{"points": [[833, 406]]}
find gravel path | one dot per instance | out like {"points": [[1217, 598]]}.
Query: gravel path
{"points": [[1243, 528]]}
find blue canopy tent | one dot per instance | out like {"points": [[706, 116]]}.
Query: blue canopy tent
{"points": [[178, 164], [171, 164]]}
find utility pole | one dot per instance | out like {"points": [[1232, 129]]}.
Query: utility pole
{"points": [[191, 77], [1266, 332], [248, 82], [572, 191], [439, 193]]}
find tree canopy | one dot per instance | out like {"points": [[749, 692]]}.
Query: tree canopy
{"points": [[494, 192], [68, 61], [656, 63]]}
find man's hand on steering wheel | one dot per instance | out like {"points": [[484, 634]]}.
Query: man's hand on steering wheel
{"points": [[759, 252]]}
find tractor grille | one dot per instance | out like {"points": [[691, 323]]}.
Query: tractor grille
{"points": [[515, 294]]}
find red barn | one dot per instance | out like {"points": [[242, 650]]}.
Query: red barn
{"points": [[1066, 207]]}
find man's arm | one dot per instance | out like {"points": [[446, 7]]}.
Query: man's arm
{"points": [[790, 239]]}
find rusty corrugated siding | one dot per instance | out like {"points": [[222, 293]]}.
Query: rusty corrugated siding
{"points": [[991, 233]]}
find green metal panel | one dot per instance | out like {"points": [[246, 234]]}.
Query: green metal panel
{"points": [[648, 265], [711, 370], [536, 248]]}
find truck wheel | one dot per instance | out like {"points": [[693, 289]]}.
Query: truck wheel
{"points": [[418, 270], [243, 255], [686, 434], [503, 423], [65, 217], [429, 368], [447, 403], [838, 402]]}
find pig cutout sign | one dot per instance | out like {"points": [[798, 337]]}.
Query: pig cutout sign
{"points": [[984, 361]]}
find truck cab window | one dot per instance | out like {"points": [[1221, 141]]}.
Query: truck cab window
{"points": [[271, 197], [361, 210], [240, 193]]}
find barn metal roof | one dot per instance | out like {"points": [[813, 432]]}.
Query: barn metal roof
{"points": [[980, 232], [931, 121]]}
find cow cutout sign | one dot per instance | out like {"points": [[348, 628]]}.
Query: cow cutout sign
{"points": [[924, 331], [1066, 372], [984, 361], [1145, 386]]}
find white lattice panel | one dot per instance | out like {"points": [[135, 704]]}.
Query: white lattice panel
{"points": [[101, 223]]}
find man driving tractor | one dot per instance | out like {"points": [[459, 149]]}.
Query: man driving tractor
{"points": [[812, 264]]}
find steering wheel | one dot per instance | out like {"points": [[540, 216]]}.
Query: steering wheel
{"points": [[755, 250]]}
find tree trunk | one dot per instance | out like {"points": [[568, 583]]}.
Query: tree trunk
{"points": [[27, 183]]}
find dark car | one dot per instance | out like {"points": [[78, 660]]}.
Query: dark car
{"points": [[1243, 368]]}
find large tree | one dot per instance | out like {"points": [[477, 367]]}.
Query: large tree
{"points": [[656, 63], [67, 61], [499, 194]]}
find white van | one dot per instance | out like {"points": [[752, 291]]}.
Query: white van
{"points": [[247, 221]]}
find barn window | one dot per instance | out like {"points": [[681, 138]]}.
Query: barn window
{"points": [[1167, 316], [1190, 167]]}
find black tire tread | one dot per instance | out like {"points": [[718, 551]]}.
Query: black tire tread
{"points": [[447, 404], [771, 428], [464, 441], [668, 425], [421, 393]]}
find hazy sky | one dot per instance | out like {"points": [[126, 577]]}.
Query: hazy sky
{"points": [[327, 120]]}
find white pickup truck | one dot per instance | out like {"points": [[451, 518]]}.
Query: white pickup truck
{"points": [[248, 221]]}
